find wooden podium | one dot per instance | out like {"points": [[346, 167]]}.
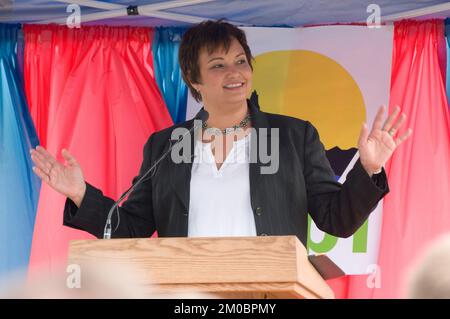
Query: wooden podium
{"points": [[227, 267]]}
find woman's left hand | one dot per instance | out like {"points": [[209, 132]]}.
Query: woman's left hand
{"points": [[377, 147]]}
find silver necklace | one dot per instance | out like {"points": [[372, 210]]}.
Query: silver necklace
{"points": [[228, 130]]}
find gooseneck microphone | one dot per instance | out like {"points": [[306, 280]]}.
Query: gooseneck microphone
{"points": [[203, 117]]}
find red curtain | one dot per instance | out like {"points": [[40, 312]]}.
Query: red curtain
{"points": [[90, 90], [417, 208]]}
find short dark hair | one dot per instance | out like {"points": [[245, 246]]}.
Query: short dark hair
{"points": [[211, 35]]}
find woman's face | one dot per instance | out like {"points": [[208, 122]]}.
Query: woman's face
{"points": [[226, 77]]}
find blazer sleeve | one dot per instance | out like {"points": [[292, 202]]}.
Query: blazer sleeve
{"points": [[338, 209], [136, 214]]}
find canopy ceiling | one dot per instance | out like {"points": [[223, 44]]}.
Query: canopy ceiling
{"points": [[287, 13]]}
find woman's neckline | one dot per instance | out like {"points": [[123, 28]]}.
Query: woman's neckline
{"points": [[237, 142]]}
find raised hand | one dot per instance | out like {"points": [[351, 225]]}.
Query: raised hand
{"points": [[377, 147], [66, 179]]}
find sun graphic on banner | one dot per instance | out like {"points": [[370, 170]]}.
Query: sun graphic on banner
{"points": [[313, 87]]}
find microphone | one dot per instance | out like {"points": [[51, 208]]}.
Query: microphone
{"points": [[202, 115]]}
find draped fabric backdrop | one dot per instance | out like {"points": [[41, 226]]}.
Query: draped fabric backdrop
{"points": [[90, 90], [19, 187], [167, 71], [447, 42], [417, 209]]}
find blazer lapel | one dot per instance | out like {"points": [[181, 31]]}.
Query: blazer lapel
{"points": [[180, 173], [262, 128]]}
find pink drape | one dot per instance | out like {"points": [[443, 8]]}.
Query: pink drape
{"points": [[418, 207]]}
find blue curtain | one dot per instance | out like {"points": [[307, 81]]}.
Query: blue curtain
{"points": [[19, 187], [165, 47], [447, 36]]}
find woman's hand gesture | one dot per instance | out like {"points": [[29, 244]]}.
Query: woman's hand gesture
{"points": [[66, 179], [377, 147]]}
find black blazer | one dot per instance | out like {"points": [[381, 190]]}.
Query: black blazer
{"points": [[304, 183]]}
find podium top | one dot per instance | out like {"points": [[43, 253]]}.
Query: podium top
{"points": [[203, 260]]}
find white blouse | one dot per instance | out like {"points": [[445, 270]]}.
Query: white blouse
{"points": [[219, 203]]}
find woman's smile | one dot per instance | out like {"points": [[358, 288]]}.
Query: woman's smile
{"points": [[234, 86]]}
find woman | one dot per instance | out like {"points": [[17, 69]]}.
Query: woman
{"points": [[232, 198]]}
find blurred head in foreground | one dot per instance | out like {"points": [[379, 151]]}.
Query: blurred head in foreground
{"points": [[429, 277], [101, 280]]}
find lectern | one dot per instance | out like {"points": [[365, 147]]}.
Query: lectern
{"points": [[227, 267]]}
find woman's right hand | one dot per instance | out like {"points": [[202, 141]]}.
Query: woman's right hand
{"points": [[66, 179]]}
